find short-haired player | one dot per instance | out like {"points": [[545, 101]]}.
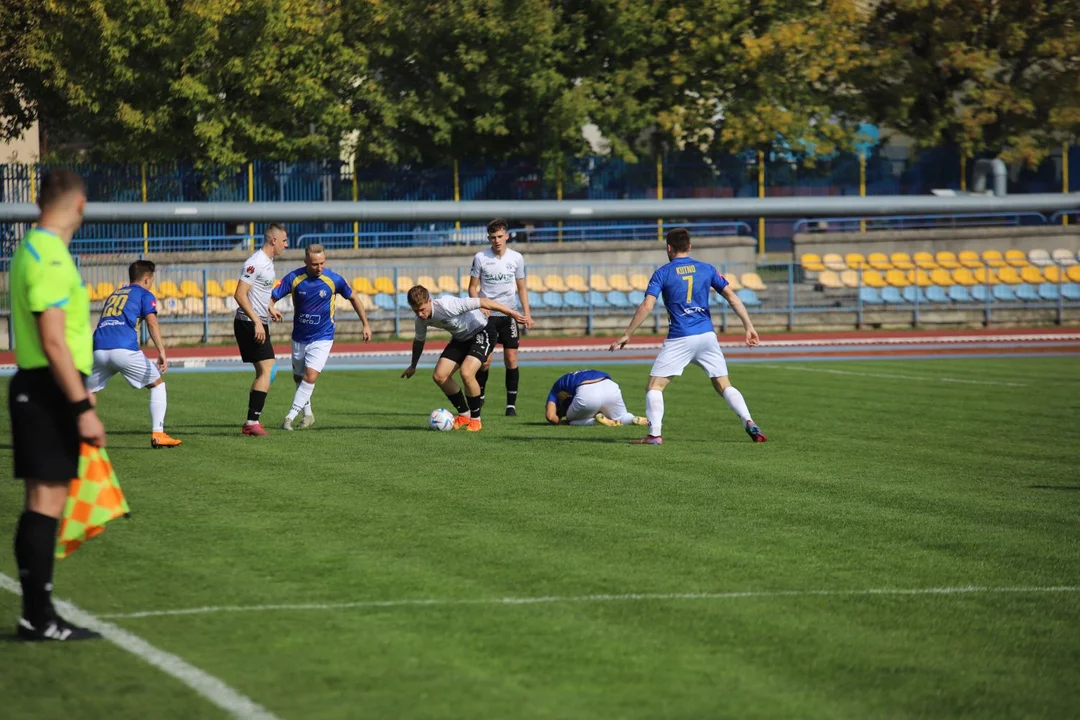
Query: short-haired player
{"points": [[471, 341], [685, 284], [588, 397], [116, 346]]}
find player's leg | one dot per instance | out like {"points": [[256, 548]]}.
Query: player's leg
{"points": [[614, 407], [711, 359], [101, 373], [140, 372], [674, 356], [308, 360], [443, 375], [508, 337], [485, 369], [261, 356], [585, 405], [470, 366]]}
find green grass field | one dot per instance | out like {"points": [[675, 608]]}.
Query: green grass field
{"points": [[869, 481]]}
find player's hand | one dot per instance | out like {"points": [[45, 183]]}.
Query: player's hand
{"points": [[518, 317], [487, 313], [409, 372], [528, 321], [620, 343], [162, 364], [367, 333], [91, 429], [275, 315], [752, 338], [260, 333]]}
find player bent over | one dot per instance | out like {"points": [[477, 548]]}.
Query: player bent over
{"points": [[471, 341], [116, 346], [313, 288], [685, 284], [586, 397]]}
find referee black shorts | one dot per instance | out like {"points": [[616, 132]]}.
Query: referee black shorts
{"points": [[44, 430], [505, 329], [478, 346], [251, 351]]}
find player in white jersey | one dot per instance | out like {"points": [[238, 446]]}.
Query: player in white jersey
{"points": [[252, 323], [498, 274], [471, 340]]}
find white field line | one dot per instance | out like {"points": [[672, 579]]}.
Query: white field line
{"points": [[568, 599], [894, 376], [207, 686]]}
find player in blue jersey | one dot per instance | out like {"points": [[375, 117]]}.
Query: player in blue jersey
{"points": [[313, 288], [116, 346], [586, 397], [685, 284]]}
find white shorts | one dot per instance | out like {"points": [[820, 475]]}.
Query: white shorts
{"points": [[601, 396], [310, 355], [136, 368], [702, 350]]}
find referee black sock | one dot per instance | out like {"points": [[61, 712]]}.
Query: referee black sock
{"points": [[475, 404], [512, 375], [458, 400], [482, 377], [35, 543], [256, 400]]}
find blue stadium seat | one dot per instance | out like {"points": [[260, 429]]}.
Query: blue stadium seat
{"points": [[1003, 292], [1070, 291], [636, 298], [384, 301], [892, 296], [402, 300], [597, 299], [573, 299], [553, 299], [980, 293], [1048, 291], [535, 300], [869, 296], [914, 294], [959, 293], [1027, 292], [715, 300], [749, 297], [936, 294], [617, 298]]}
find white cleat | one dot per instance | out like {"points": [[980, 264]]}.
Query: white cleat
{"points": [[306, 421], [605, 420], [287, 424]]}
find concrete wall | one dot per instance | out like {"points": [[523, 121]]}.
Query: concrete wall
{"points": [[934, 240]]}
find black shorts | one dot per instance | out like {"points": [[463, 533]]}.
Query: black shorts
{"points": [[251, 351], [44, 430], [506, 331], [478, 346]]}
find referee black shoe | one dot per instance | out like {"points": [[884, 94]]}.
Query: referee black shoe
{"points": [[54, 630], [511, 411]]}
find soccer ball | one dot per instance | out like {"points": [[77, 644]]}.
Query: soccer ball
{"points": [[441, 419]]}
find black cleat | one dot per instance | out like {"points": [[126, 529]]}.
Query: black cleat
{"points": [[511, 411], [55, 630]]}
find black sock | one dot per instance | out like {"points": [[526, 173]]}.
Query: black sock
{"points": [[35, 543], [511, 386], [256, 400], [481, 377], [458, 399], [475, 404]]}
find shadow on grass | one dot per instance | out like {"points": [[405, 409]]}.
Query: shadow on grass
{"points": [[1054, 487]]}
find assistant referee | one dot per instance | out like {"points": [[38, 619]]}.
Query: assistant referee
{"points": [[50, 407]]}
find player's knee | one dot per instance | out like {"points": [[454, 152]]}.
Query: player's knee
{"points": [[439, 378]]}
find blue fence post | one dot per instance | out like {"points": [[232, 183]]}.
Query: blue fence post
{"points": [[1060, 300], [206, 309], [989, 296], [397, 318], [723, 305], [918, 294], [791, 296], [589, 322], [858, 302]]}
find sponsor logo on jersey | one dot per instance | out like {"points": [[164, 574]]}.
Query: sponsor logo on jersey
{"points": [[250, 269]]}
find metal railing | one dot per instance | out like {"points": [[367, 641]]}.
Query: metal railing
{"points": [[914, 222]]}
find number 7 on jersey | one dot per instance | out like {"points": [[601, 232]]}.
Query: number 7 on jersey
{"points": [[689, 285]]}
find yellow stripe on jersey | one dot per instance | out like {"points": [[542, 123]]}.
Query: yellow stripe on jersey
{"points": [[333, 300]]}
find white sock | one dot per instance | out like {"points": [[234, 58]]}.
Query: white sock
{"points": [[584, 421], [300, 399], [735, 402], [654, 411], [307, 408], [627, 419], [158, 404]]}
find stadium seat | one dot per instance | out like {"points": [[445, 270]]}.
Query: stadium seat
{"points": [[749, 298], [1009, 275], [448, 284], [855, 261], [986, 276], [891, 296], [167, 289], [870, 296], [577, 283], [190, 289], [216, 306], [924, 260], [981, 293], [753, 281], [920, 277], [229, 286], [879, 261], [1048, 291], [533, 283], [384, 301], [811, 262], [1071, 291], [901, 261], [464, 280], [193, 306], [213, 289], [963, 276], [365, 302], [599, 283], [1054, 274], [639, 282], [873, 278], [598, 299], [1016, 258], [620, 282], [993, 258], [834, 262], [1004, 293], [1061, 256], [830, 280], [105, 289], [947, 260], [1073, 273], [897, 278], [230, 303], [536, 300], [959, 293], [1027, 292], [404, 283], [914, 295], [733, 280], [936, 294], [384, 285], [850, 278], [970, 259], [1032, 275], [555, 283], [402, 300], [636, 297], [575, 299], [553, 299], [363, 285], [941, 277], [1039, 257], [169, 306], [91, 292], [428, 282]]}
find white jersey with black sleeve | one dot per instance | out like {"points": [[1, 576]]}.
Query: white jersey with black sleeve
{"points": [[461, 317], [499, 275], [259, 273]]}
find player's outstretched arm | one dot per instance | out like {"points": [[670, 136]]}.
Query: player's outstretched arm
{"points": [[740, 310], [241, 298], [154, 328], [355, 300], [486, 304], [642, 312], [417, 351]]}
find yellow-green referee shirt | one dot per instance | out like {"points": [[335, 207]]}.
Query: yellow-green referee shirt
{"points": [[42, 276]]}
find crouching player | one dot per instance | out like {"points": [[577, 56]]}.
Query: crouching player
{"points": [[471, 341], [585, 397], [116, 346]]}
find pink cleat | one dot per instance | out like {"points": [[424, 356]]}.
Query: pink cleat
{"points": [[648, 440], [255, 430]]}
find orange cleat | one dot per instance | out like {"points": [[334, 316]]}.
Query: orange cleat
{"points": [[162, 440], [461, 421], [474, 425], [255, 430]]}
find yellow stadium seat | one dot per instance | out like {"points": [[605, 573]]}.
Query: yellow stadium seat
{"points": [[556, 283], [970, 259], [1031, 274], [189, 289], [963, 276], [533, 283], [384, 284], [1009, 276], [849, 278], [1016, 258], [448, 284], [873, 278], [901, 261], [947, 260], [213, 288], [1073, 273], [879, 261], [599, 283], [811, 262], [993, 258], [621, 283], [753, 281], [105, 289], [829, 279], [464, 281], [941, 276], [986, 276], [168, 290], [919, 277], [897, 278], [1054, 274], [733, 281], [428, 282], [92, 293], [924, 260], [855, 261], [229, 286], [834, 262], [404, 282], [577, 283], [639, 282], [363, 285]]}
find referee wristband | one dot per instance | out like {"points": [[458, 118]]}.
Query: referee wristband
{"points": [[81, 406]]}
